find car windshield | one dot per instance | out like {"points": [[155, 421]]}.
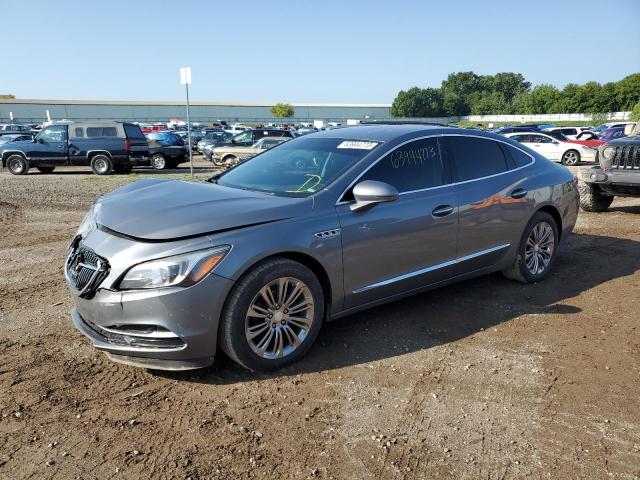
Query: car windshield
{"points": [[298, 167]]}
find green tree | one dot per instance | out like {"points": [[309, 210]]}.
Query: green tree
{"points": [[282, 110], [628, 92], [541, 99], [417, 102], [509, 84], [635, 113], [487, 103], [456, 90]]}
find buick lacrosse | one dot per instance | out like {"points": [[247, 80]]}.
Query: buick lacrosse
{"points": [[256, 259]]}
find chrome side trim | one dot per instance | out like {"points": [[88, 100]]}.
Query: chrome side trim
{"points": [[533, 160], [431, 268]]}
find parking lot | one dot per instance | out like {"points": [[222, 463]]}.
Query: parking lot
{"points": [[483, 379]]}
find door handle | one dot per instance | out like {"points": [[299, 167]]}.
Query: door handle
{"points": [[442, 211], [519, 193]]}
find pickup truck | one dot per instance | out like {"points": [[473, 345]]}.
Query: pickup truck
{"points": [[104, 146]]}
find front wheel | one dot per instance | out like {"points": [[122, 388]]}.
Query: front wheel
{"points": [[273, 315], [46, 169], [17, 165], [218, 162], [570, 157], [591, 200], [536, 250]]}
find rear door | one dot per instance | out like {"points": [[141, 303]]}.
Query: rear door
{"points": [[492, 198], [405, 244]]}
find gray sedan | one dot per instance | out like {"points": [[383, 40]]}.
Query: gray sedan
{"points": [[255, 260]]}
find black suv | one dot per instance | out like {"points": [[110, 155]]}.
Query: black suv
{"points": [[246, 139], [104, 146], [617, 175]]}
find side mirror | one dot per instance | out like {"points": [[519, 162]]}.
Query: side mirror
{"points": [[370, 192], [39, 140]]}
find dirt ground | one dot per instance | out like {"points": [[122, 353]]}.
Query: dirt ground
{"points": [[487, 379]]}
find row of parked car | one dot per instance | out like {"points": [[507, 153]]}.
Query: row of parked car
{"points": [[568, 145]]}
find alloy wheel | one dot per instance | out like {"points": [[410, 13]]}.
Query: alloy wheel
{"points": [[570, 158], [279, 318], [158, 162], [101, 166], [16, 166], [538, 251]]}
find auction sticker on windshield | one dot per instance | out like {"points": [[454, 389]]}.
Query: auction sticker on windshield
{"points": [[355, 145]]}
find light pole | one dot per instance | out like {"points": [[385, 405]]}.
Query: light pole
{"points": [[185, 79]]}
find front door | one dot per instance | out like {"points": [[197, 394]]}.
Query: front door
{"points": [[546, 146], [50, 146], [405, 244]]}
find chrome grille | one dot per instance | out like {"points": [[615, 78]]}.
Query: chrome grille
{"points": [[85, 270], [626, 157]]}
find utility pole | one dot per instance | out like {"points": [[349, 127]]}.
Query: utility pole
{"points": [[185, 79]]}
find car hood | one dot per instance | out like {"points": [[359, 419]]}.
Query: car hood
{"points": [[163, 210], [630, 140]]}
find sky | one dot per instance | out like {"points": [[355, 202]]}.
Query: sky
{"points": [[322, 51]]}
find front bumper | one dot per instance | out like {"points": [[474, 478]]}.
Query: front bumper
{"points": [[166, 329], [625, 177]]}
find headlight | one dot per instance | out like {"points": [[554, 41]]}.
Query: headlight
{"points": [[88, 223], [608, 153], [179, 270]]}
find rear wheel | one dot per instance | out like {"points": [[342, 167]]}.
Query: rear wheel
{"points": [[273, 315], [46, 169], [101, 165], [536, 251], [570, 157], [591, 200], [158, 161], [218, 162], [17, 165]]}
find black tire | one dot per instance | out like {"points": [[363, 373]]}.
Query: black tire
{"points": [[101, 165], [519, 270], [17, 165], [570, 158], [591, 200], [122, 168], [46, 169], [158, 161], [232, 336]]}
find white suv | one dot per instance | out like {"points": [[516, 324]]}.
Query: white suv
{"points": [[570, 132]]}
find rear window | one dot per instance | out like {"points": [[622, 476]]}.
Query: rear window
{"points": [[519, 157], [102, 132], [476, 157], [134, 132]]}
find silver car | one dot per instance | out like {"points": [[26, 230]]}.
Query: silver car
{"points": [[257, 258]]}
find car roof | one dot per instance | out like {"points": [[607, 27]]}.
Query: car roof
{"points": [[380, 133]]}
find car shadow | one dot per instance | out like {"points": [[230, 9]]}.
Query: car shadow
{"points": [[448, 314]]}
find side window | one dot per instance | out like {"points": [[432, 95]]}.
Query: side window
{"points": [[540, 139], [94, 132], [519, 157], [476, 157], [568, 131], [54, 133], [109, 132], [519, 138], [79, 132], [414, 166]]}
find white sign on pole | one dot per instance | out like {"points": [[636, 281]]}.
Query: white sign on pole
{"points": [[185, 76], [11, 116]]}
